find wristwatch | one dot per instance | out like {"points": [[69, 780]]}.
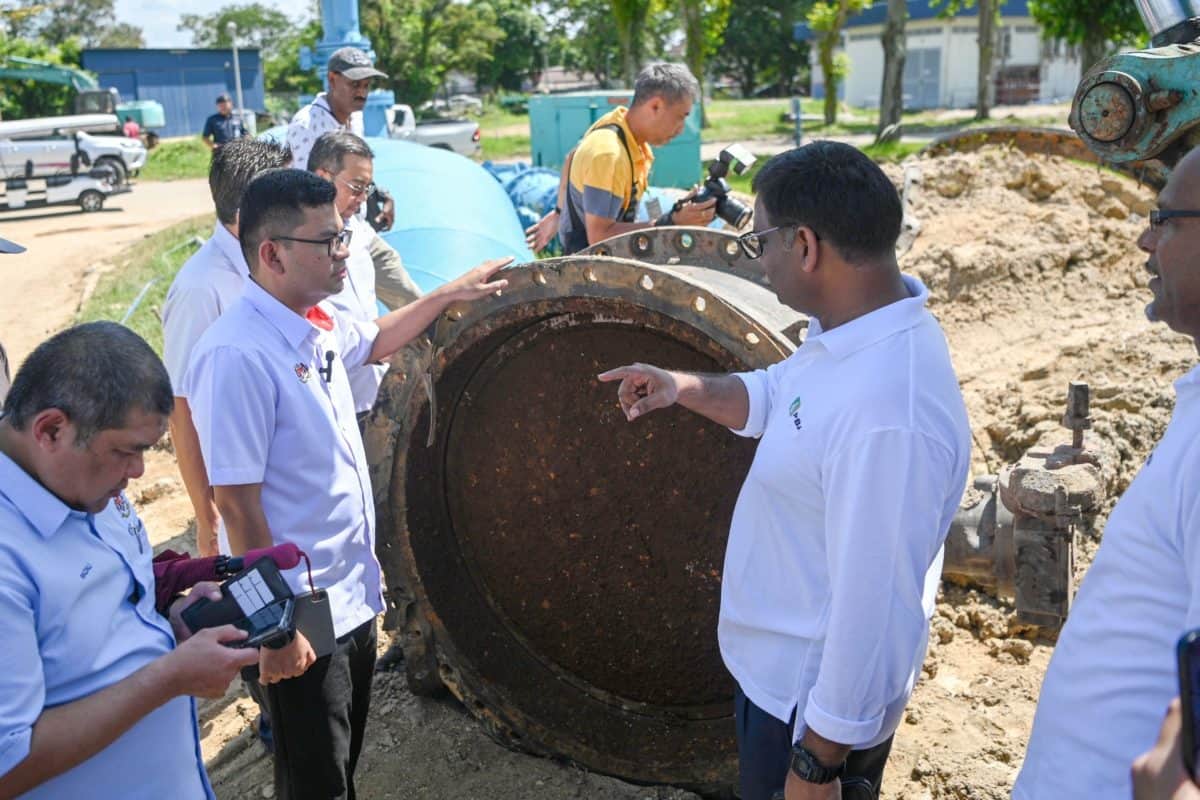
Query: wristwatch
{"points": [[809, 769], [280, 642]]}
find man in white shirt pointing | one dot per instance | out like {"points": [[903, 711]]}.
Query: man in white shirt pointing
{"points": [[275, 416], [835, 548]]}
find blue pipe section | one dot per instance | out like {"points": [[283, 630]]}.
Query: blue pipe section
{"points": [[450, 213]]}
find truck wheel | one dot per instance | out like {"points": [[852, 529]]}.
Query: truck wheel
{"points": [[91, 200], [118, 168]]}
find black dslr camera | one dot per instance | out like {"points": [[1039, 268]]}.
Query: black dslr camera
{"points": [[739, 159]]}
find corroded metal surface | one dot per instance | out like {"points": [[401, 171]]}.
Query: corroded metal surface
{"points": [[696, 247], [557, 566], [1045, 141]]}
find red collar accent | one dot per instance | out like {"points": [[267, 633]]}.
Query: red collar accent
{"points": [[317, 316]]}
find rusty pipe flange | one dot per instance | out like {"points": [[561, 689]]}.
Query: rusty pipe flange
{"points": [[694, 246], [1044, 141], [566, 564]]}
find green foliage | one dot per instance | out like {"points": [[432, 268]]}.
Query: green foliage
{"points": [[177, 159], [520, 54], [272, 31], [1090, 23], [92, 22], [418, 42], [629, 17], [758, 46], [156, 258], [27, 99]]}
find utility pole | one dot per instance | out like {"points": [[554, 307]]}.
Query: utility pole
{"points": [[231, 28]]}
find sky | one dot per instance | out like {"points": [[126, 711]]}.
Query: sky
{"points": [[158, 18]]}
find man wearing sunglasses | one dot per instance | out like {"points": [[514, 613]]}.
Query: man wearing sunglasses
{"points": [[835, 547], [348, 162], [1114, 671], [275, 414]]}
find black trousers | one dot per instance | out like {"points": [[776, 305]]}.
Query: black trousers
{"points": [[764, 756], [319, 718]]}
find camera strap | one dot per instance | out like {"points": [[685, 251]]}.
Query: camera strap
{"points": [[630, 211]]}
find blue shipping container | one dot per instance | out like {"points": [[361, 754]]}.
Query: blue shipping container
{"points": [[186, 81], [557, 121]]}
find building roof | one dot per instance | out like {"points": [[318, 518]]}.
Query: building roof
{"points": [[917, 10]]}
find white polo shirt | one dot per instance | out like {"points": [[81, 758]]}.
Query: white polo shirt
{"points": [[313, 120], [835, 548], [206, 285], [1114, 668], [265, 414], [357, 300], [76, 616]]}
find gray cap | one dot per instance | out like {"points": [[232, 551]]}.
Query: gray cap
{"points": [[10, 248], [354, 64]]}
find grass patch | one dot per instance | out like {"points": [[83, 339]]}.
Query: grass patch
{"points": [[177, 159], [494, 116], [499, 147], [148, 260], [892, 151]]}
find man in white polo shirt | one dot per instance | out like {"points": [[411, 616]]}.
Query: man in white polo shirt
{"points": [[347, 162], [94, 681], [834, 552], [205, 286], [275, 415], [1113, 672]]}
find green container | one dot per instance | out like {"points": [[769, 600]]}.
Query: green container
{"points": [[558, 121], [148, 114]]}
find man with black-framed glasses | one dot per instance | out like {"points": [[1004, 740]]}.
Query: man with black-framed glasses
{"points": [[275, 415], [347, 161], [1114, 668], [835, 547]]}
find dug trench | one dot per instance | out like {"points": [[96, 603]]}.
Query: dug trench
{"points": [[1036, 279]]}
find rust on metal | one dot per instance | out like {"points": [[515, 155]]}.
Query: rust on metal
{"points": [[693, 246], [556, 567], [1107, 112]]}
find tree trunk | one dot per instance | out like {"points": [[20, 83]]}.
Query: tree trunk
{"points": [[987, 55], [693, 30], [1094, 49], [831, 78], [788, 58], [891, 95]]}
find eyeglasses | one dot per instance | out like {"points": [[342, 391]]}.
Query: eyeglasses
{"points": [[339, 241], [752, 243], [1160, 215], [358, 188]]}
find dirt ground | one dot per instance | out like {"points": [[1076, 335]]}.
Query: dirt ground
{"points": [[68, 249], [1036, 279]]}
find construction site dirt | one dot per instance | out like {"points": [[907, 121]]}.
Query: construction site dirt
{"points": [[1035, 276]]}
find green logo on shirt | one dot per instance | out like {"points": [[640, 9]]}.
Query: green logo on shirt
{"points": [[794, 411]]}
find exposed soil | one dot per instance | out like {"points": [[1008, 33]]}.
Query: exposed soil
{"points": [[1037, 281]]}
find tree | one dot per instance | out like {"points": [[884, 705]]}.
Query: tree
{"points": [[520, 54], [1094, 25], [419, 42], [92, 22], [584, 38], [989, 25], [275, 34], [630, 17], [827, 18], [891, 94], [703, 29], [26, 99]]}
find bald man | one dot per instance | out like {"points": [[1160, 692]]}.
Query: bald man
{"points": [[1114, 669]]}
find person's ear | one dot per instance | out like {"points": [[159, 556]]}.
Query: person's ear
{"points": [[810, 248], [52, 429], [268, 256]]}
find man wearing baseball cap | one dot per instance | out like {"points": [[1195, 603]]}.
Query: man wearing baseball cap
{"points": [[340, 109], [6, 247], [222, 126]]}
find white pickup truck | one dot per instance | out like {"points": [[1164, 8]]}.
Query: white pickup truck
{"points": [[459, 135]]}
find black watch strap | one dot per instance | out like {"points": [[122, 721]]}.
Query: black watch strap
{"points": [[809, 769]]}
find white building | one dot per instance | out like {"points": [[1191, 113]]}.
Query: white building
{"points": [[943, 59]]}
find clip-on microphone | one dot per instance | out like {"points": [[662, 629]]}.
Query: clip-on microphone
{"points": [[326, 372]]}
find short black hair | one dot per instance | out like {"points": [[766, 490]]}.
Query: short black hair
{"points": [[234, 165], [95, 373], [330, 150], [274, 202], [839, 192]]}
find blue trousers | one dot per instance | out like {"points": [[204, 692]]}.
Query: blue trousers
{"points": [[764, 755]]}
